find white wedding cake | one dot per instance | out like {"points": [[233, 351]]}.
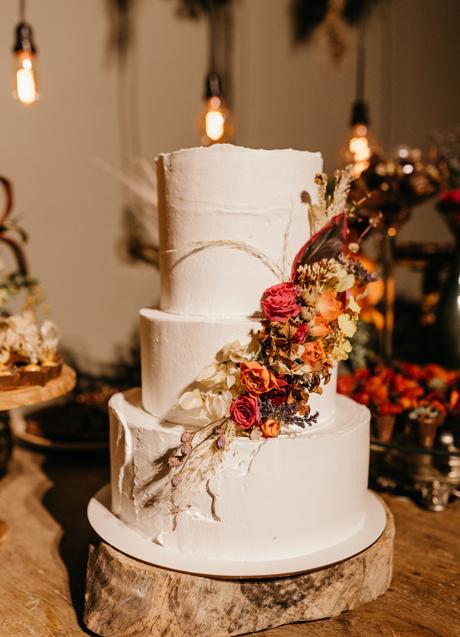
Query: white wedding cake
{"points": [[238, 447]]}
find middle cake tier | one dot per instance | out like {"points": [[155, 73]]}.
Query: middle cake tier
{"points": [[175, 349]]}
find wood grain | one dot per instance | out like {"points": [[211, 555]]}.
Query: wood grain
{"points": [[127, 597], [22, 396], [43, 557]]}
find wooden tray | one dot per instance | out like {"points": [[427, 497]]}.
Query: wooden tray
{"points": [[22, 396]]}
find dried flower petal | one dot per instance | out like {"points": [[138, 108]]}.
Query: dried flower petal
{"points": [[221, 442]]}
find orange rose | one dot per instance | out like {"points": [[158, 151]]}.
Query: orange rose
{"points": [[256, 378], [318, 327], [328, 306], [271, 428], [314, 351]]}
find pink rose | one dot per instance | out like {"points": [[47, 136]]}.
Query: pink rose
{"points": [[280, 302], [244, 410], [301, 334]]}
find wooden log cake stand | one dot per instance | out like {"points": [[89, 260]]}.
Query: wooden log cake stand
{"points": [[126, 597]]}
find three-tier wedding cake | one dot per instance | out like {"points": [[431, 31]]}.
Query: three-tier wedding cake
{"points": [[238, 447]]}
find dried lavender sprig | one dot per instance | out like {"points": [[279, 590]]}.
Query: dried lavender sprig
{"points": [[356, 268], [289, 414]]}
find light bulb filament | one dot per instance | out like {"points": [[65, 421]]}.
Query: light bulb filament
{"points": [[214, 125], [359, 149], [359, 146], [26, 84]]}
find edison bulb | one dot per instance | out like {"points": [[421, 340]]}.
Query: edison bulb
{"points": [[360, 145], [216, 122], [25, 77]]}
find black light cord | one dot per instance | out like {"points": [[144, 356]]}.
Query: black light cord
{"points": [[359, 111], [212, 36], [22, 10], [361, 62]]}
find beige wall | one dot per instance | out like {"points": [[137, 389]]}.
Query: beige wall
{"points": [[284, 96]]}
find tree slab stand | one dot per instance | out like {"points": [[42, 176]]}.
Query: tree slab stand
{"points": [[126, 597]]}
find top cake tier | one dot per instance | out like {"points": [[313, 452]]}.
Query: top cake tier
{"points": [[231, 221]]}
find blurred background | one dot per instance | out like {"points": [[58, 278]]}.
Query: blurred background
{"points": [[121, 80]]}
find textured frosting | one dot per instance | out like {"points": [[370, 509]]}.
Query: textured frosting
{"points": [[268, 499], [229, 193], [174, 350]]}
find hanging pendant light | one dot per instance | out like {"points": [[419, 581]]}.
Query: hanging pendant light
{"points": [[360, 144], [215, 124], [25, 77]]}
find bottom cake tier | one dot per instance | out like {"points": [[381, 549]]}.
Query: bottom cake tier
{"points": [[266, 499]]}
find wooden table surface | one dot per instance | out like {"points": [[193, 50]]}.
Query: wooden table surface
{"points": [[43, 559]]}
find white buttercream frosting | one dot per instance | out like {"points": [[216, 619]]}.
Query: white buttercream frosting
{"points": [[175, 349], [228, 193], [268, 499]]}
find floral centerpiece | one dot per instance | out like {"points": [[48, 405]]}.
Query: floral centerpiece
{"points": [[262, 388], [422, 397]]}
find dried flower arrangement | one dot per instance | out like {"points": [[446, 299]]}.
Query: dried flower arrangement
{"points": [[261, 389]]}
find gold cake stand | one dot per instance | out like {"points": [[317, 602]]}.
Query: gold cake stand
{"points": [[33, 395]]}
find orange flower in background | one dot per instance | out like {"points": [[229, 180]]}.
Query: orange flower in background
{"points": [[373, 295], [314, 351], [346, 384], [438, 374], [377, 389], [271, 428], [407, 389], [328, 306], [454, 401], [404, 387], [256, 378]]}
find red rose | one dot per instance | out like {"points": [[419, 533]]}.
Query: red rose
{"points": [[278, 396], [301, 333], [244, 410], [280, 302]]}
